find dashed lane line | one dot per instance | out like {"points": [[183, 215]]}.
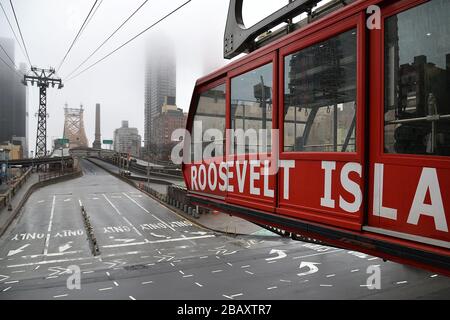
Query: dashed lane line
{"points": [[136, 203], [317, 254], [47, 238], [120, 214], [156, 241]]}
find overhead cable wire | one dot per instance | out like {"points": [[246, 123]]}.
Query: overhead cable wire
{"points": [[107, 39], [127, 42], [77, 36], [12, 69], [12, 29], [10, 59], [93, 14], [20, 32]]}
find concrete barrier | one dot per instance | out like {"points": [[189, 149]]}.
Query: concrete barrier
{"points": [[30, 191]]}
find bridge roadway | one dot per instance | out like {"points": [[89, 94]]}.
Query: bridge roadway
{"points": [[149, 252]]}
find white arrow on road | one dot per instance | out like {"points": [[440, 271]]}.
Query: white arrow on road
{"points": [[281, 254], [57, 271], [157, 235], [115, 263], [13, 252], [200, 233], [3, 278], [65, 247], [164, 258], [312, 268], [125, 240]]}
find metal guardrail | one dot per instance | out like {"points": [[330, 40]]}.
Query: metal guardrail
{"points": [[32, 162], [55, 174], [5, 198]]}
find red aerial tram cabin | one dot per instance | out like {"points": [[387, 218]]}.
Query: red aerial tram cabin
{"points": [[363, 120]]}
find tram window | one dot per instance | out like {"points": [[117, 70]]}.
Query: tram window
{"points": [[417, 80], [251, 111], [208, 128], [320, 96]]}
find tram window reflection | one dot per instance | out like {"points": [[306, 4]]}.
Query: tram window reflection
{"points": [[417, 80], [251, 110], [320, 96], [210, 114]]}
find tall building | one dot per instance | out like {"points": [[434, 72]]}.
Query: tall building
{"points": [[127, 140], [170, 119], [160, 82], [13, 99]]}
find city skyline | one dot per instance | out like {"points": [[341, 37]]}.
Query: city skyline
{"points": [[123, 72]]}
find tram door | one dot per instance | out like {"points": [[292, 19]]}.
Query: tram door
{"points": [[409, 180], [322, 126]]}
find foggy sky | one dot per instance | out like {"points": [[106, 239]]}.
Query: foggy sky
{"points": [[117, 83]]}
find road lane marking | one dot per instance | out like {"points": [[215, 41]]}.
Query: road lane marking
{"points": [[246, 266], [126, 220], [433, 276], [79, 201], [371, 259], [271, 288], [288, 281], [216, 271], [135, 202], [231, 297], [61, 296], [104, 289], [399, 282], [147, 282], [228, 263], [11, 282], [200, 285], [47, 239], [354, 270], [18, 250], [48, 262], [330, 275], [107, 273], [188, 276], [204, 257], [326, 285], [6, 289], [115, 283], [249, 272], [132, 298], [317, 254], [155, 241]]}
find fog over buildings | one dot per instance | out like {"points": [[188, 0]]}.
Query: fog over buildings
{"points": [[118, 83]]}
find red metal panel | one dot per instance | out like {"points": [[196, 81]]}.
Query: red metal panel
{"points": [[307, 180], [402, 173]]}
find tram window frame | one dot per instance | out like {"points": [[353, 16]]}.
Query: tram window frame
{"points": [[357, 22], [396, 10], [332, 107], [191, 120], [270, 58]]}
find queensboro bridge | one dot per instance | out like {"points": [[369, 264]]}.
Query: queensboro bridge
{"points": [[74, 127]]}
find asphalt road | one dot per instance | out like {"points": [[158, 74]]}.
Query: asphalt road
{"points": [[149, 252]]}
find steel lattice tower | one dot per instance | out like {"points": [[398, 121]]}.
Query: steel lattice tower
{"points": [[43, 78], [74, 127]]}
